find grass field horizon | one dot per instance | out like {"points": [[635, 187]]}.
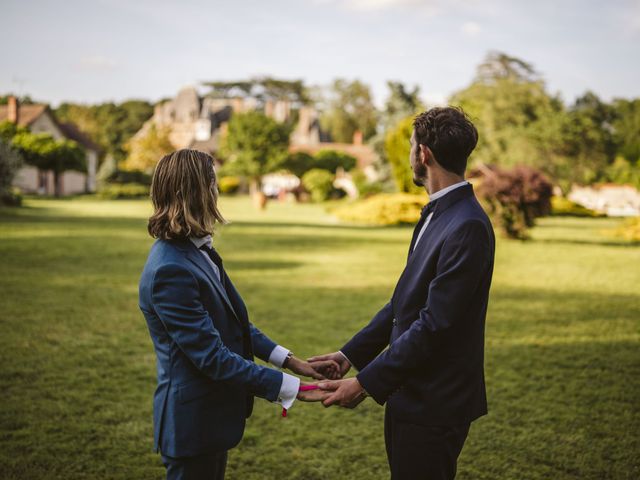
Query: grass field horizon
{"points": [[78, 368]]}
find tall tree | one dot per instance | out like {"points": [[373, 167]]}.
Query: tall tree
{"points": [[400, 104], [397, 150], [254, 146], [350, 108], [146, 149], [110, 125]]}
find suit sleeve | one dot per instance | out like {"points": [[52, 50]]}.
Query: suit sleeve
{"points": [[463, 261], [371, 340], [262, 345], [176, 301]]}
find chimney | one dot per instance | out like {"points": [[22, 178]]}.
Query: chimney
{"points": [[357, 137], [12, 109]]}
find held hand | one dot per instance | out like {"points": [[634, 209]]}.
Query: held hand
{"points": [[333, 373], [312, 395], [315, 370], [347, 393]]}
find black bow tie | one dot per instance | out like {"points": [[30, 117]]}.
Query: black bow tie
{"points": [[428, 208]]}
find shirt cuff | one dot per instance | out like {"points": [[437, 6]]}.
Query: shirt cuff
{"points": [[278, 356], [345, 357], [288, 390]]}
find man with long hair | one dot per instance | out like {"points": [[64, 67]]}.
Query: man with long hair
{"points": [[200, 328]]}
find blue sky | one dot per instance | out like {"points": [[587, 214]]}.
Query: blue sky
{"points": [[95, 50]]}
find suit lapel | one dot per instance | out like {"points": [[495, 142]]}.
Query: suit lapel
{"points": [[198, 259], [441, 205]]}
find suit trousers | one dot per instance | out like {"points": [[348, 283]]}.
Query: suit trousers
{"points": [[423, 452], [210, 466]]}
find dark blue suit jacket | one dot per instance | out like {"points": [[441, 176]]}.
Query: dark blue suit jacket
{"points": [[432, 373], [204, 346]]}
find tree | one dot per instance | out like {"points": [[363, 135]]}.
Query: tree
{"points": [[625, 126], [332, 160], [261, 88], [514, 197], [109, 125], [254, 146], [397, 150], [46, 153], [147, 149], [10, 162], [401, 103], [350, 109]]}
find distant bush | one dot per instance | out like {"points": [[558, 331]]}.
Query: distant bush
{"points": [[364, 186], [319, 183], [11, 197], [629, 231], [383, 209], [561, 206], [229, 185], [123, 190], [515, 197], [332, 160], [621, 171]]}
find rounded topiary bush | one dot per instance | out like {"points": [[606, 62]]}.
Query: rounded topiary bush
{"points": [[319, 183]]}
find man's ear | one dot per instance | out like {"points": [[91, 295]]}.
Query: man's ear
{"points": [[425, 155]]}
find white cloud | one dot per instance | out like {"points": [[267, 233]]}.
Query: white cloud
{"points": [[430, 7], [97, 63], [471, 29]]}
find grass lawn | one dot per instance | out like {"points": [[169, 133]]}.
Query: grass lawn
{"points": [[563, 345]]}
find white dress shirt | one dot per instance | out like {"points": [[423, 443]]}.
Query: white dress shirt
{"points": [[290, 384], [435, 196]]}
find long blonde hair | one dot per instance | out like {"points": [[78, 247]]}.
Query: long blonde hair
{"points": [[184, 193]]}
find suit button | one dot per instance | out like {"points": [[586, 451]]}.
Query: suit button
{"points": [[394, 322]]}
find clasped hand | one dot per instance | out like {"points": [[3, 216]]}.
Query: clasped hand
{"points": [[347, 393]]}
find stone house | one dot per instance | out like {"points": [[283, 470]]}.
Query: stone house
{"points": [[198, 122], [39, 118]]}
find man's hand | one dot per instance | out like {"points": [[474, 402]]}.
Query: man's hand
{"points": [[347, 393], [312, 395], [314, 370], [341, 362]]}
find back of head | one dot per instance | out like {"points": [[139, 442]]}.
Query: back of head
{"points": [[184, 193], [449, 134]]}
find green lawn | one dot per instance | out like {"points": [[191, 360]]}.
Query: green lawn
{"points": [[563, 338]]}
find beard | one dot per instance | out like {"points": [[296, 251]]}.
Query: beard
{"points": [[420, 174]]}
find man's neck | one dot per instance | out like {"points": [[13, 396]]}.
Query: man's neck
{"points": [[435, 183]]}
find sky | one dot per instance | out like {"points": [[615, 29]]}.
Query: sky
{"points": [[91, 51]]}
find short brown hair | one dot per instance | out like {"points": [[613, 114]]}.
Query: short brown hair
{"points": [[184, 193], [449, 134]]}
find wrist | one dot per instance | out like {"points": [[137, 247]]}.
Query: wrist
{"points": [[288, 361]]}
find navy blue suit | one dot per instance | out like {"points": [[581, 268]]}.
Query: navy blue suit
{"points": [[204, 345], [432, 373]]}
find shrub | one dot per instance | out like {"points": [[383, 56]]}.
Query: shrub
{"points": [[123, 190], [561, 206], [11, 197], [515, 197], [228, 185], [383, 209], [332, 160], [630, 231], [319, 183], [299, 163], [622, 171], [364, 186]]}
